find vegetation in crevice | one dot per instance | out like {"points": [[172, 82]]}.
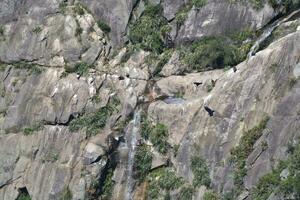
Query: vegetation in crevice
{"points": [[67, 194], [62, 6], [182, 14], [240, 153], [161, 182], [51, 157], [157, 62], [33, 128], [103, 26], [216, 52], [157, 134], [108, 185], [149, 31], [211, 195], [78, 9], [81, 68], [23, 194], [94, 122], [31, 67], [286, 187], [200, 171], [142, 162], [186, 192], [2, 30]]}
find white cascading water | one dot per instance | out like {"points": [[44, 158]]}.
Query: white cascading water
{"points": [[132, 143], [268, 31]]}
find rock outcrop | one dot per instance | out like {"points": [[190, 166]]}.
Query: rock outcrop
{"points": [[69, 91]]}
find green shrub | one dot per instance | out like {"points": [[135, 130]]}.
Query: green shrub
{"points": [[181, 15], [142, 162], [186, 193], [146, 32], [157, 62], [108, 186], [162, 181], [158, 138], [62, 6], [273, 183], [35, 127], [32, 68], [78, 9], [179, 94], [52, 157], [199, 3], [209, 53], [67, 194], [94, 122], [240, 153], [24, 196], [211, 195], [103, 26], [80, 68], [37, 30], [200, 171], [78, 31], [157, 134]]}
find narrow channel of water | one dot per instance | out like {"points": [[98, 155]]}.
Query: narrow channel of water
{"points": [[132, 144]]}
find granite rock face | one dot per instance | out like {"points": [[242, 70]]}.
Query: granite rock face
{"points": [[219, 17], [43, 91]]}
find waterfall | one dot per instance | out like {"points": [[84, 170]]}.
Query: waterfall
{"points": [[268, 32], [131, 143]]}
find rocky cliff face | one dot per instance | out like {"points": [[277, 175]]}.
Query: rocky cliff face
{"points": [[109, 100]]}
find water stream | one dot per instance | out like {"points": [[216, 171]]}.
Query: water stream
{"points": [[132, 143], [268, 32]]}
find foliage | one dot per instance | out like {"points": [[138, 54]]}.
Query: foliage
{"points": [[179, 94], [292, 82], [209, 53], [94, 122], [211, 195], [78, 9], [147, 33], [33, 128], [240, 153], [24, 196], [81, 68], [108, 186], [272, 182], [181, 15], [157, 134], [78, 31], [103, 26], [158, 61], [142, 162], [50, 157], [186, 193], [37, 30], [1, 30], [67, 194], [200, 171], [289, 5], [209, 88], [32, 68], [62, 6], [199, 3], [162, 181]]}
